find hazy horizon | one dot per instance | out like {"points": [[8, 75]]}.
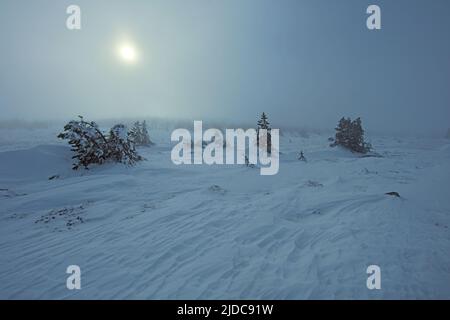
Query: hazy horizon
{"points": [[305, 63]]}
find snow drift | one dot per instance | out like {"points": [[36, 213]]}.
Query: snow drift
{"points": [[157, 231]]}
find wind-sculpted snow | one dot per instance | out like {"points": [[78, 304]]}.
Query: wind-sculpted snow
{"points": [[156, 230]]}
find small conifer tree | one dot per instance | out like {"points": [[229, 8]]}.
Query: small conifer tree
{"points": [[263, 123]]}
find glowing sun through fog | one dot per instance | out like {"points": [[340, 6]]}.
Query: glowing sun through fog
{"points": [[127, 53]]}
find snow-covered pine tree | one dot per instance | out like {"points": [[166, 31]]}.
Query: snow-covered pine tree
{"points": [[145, 141], [91, 146], [342, 132], [120, 147], [356, 139], [263, 123], [356, 136], [87, 141], [350, 135], [134, 133], [139, 134]]}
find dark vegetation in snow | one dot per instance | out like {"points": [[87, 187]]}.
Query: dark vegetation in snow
{"points": [[350, 135], [139, 134], [264, 123], [92, 146]]}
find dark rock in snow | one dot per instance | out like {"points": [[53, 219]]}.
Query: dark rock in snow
{"points": [[394, 194]]}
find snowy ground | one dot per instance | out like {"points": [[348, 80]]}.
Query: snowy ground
{"points": [[158, 231]]}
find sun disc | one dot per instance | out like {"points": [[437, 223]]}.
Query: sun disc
{"points": [[127, 53]]}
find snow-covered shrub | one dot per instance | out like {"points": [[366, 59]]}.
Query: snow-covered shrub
{"points": [[139, 134], [350, 135], [91, 146], [120, 147], [87, 141]]}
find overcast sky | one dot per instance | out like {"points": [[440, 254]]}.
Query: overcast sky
{"points": [[305, 62]]}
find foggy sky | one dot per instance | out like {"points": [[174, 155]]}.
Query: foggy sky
{"points": [[304, 62]]}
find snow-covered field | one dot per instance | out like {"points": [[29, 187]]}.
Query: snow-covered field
{"points": [[160, 231]]}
